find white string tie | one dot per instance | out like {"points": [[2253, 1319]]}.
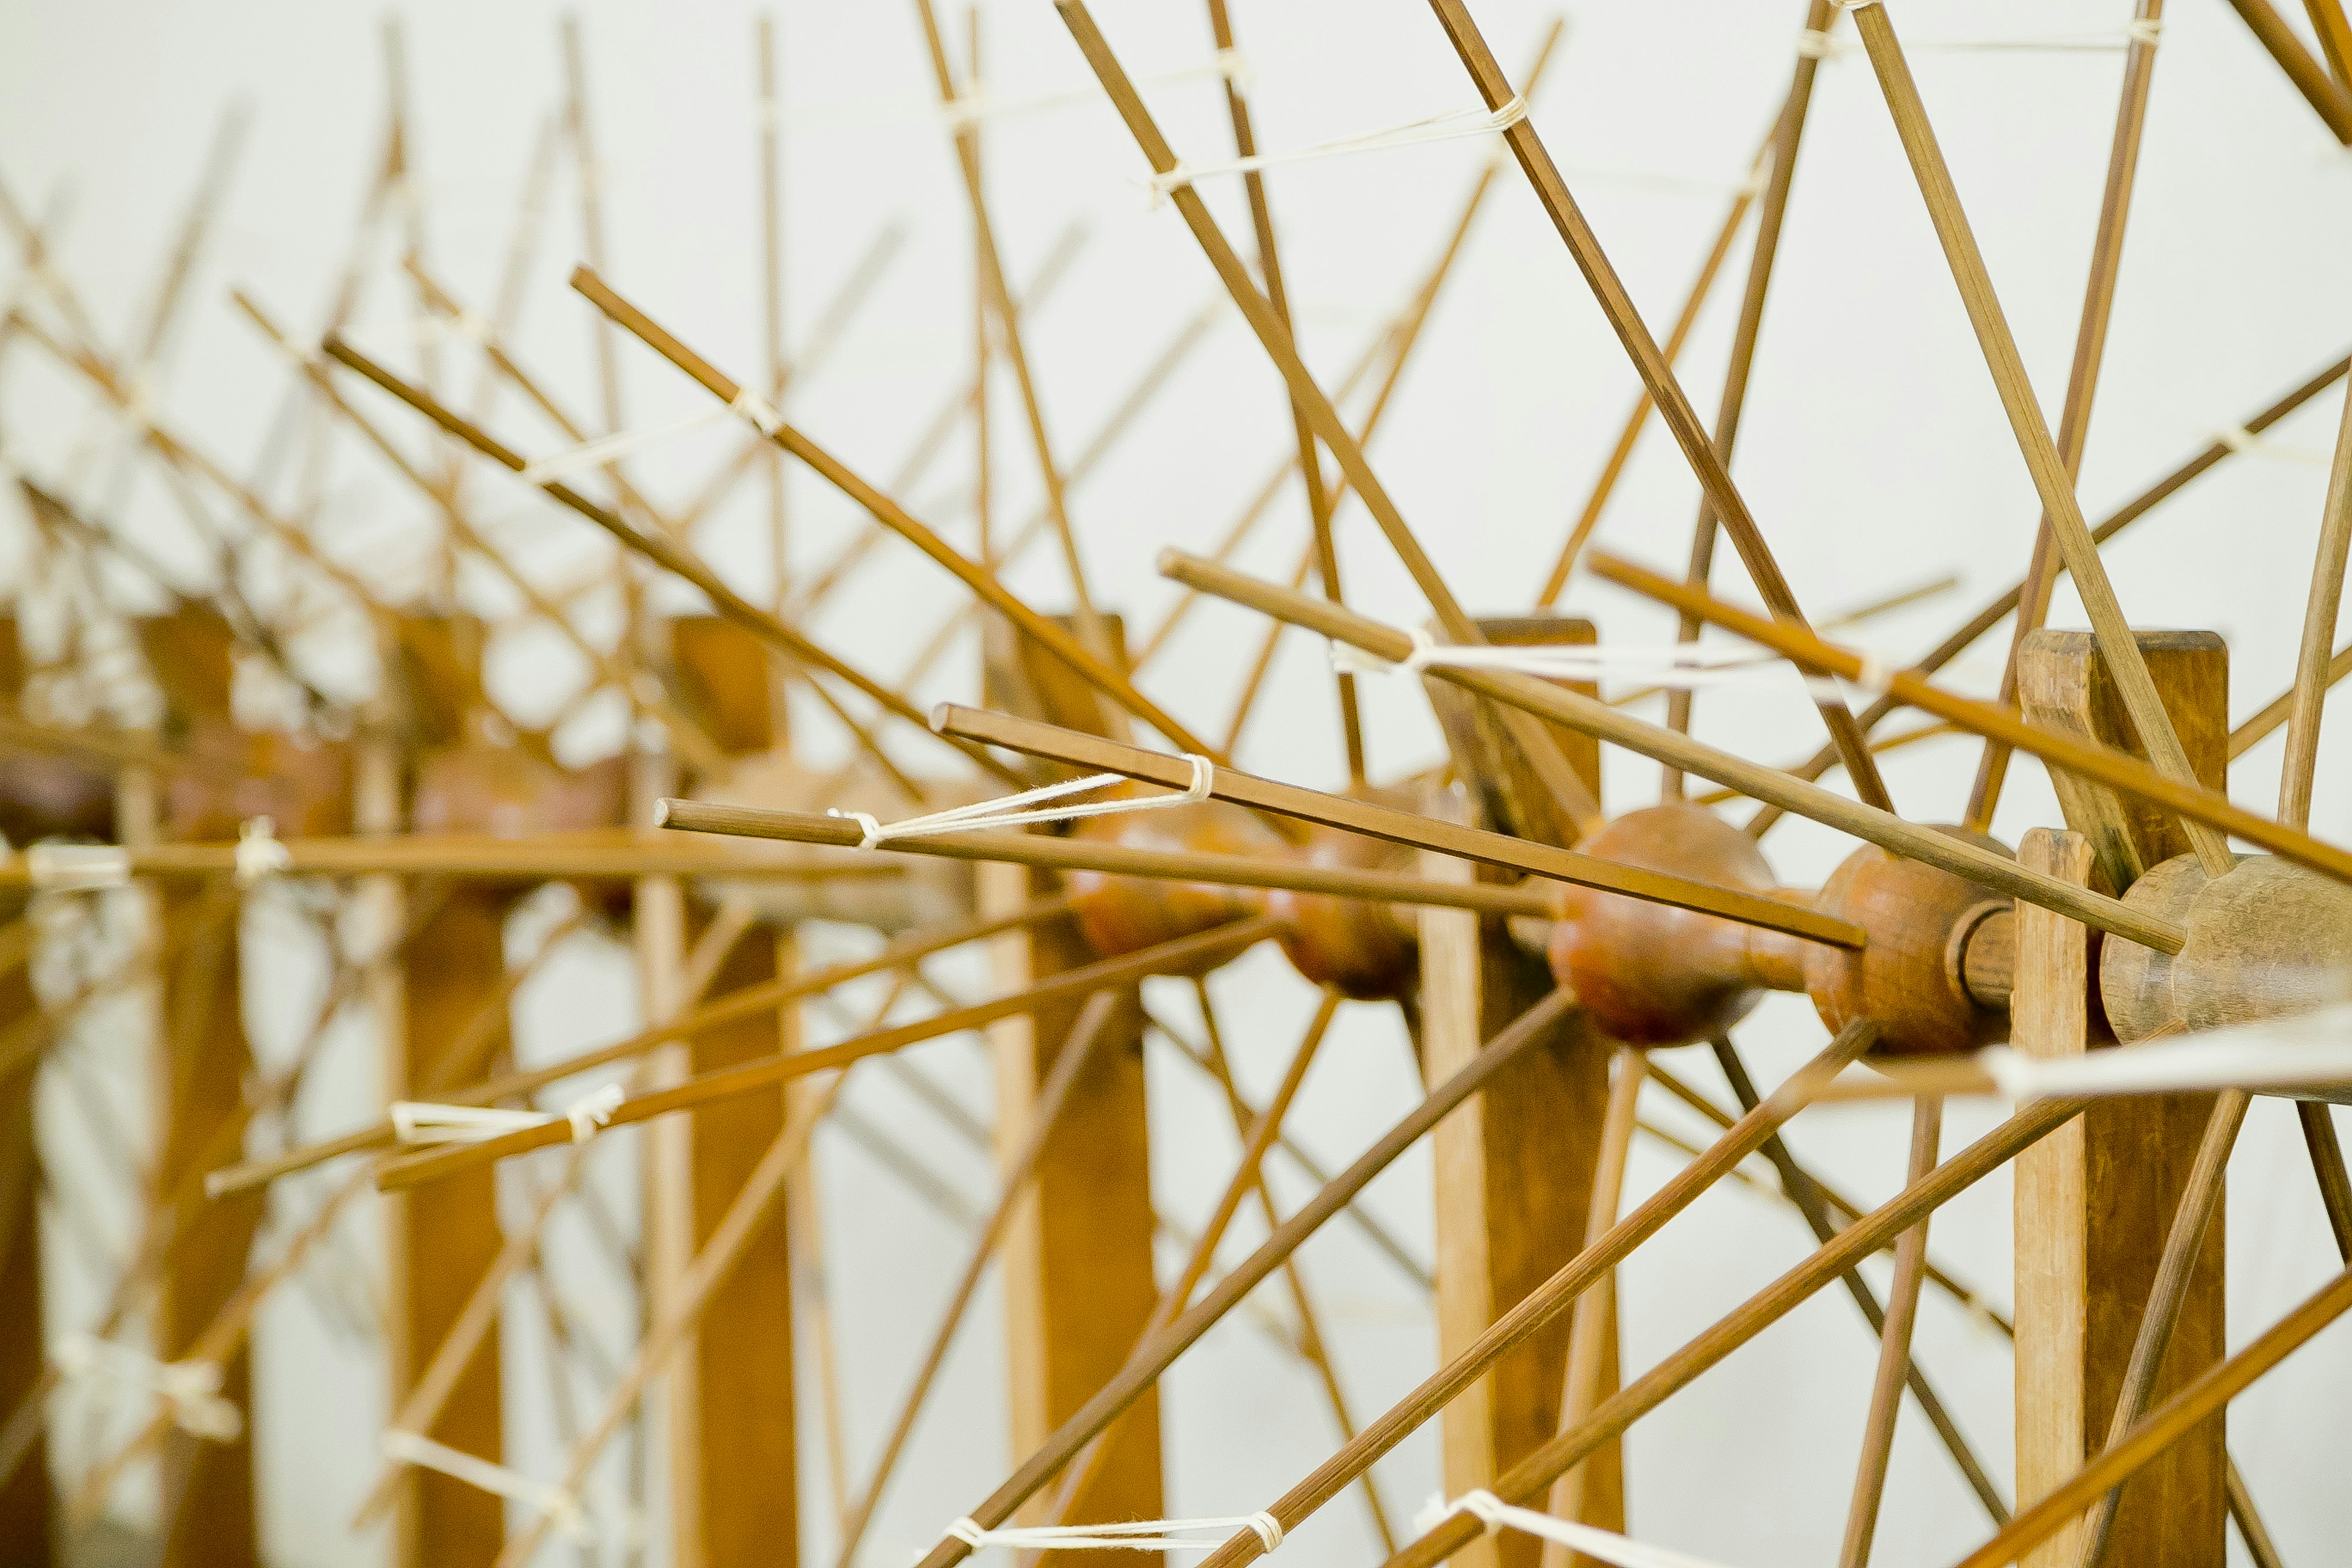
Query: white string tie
{"points": [[190, 1388], [2243, 442], [562, 1509], [1606, 1545], [426, 1123], [77, 867], [614, 448], [1448, 127], [1133, 1535], [2311, 1051], [758, 410], [259, 855], [1679, 666], [1030, 805]]}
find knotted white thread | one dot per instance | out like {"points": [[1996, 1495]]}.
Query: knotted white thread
{"points": [[258, 853], [1030, 806], [757, 410], [1448, 127], [562, 1509], [614, 448], [2246, 443], [1607, 1545], [425, 1123], [2312, 1050], [190, 1388], [1134, 1535], [77, 867]]}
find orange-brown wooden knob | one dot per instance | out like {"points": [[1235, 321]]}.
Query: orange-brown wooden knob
{"points": [[1910, 976], [1651, 974], [1357, 947], [2269, 940], [302, 786], [45, 796], [1126, 914], [506, 792]]}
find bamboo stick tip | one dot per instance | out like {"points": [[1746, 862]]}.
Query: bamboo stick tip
{"points": [[942, 719], [661, 812]]}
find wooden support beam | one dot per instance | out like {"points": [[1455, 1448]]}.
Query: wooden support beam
{"points": [[26, 1503], [1514, 1170], [2096, 1202], [1079, 1287]]}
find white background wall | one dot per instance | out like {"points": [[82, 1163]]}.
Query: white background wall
{"points": [[1874, 455]]}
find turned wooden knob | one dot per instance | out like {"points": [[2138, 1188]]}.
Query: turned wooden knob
{"points": [[2268, 940], [1120, 915], [44, 797], [1913, 976], [1652, 974], [1361, 949]]}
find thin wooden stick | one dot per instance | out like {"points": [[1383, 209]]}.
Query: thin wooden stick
{"points": [[1542, 749], [2210, 812], [2250, 1529], [2327, 1161], [2125, 665], [1674, 407], [1546, 1301], [2329, 99], [2335, 31], [1035, 739], [1894, 1349], [2082, 377], [1596, 718], [1594, 1314], [2257, 729], [1787, 137], [2178, 1416], [1310, 465], [1209, 947], [2312, 675], [1086, 665], [1156, 1354], [1255, 683]]}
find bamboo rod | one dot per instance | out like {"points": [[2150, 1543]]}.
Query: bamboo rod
{"points": [[743, 1003], [1552, 701], [2212, 813], [1036, 738], [1894, 1349], [2082, 376], [1222, 942], [1086, 665], [1547, 1300], [2179, 1416], [2125, 663], [2312, 672], [2335, 31], [1117, 860], [2258, 728], [1155, 1355], [2327, 1161], [1542, 751], [2329, 99]]}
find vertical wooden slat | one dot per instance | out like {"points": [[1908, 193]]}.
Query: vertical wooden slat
{"points": [[2096, 1200], [1077, 1259], [27, 1512]]}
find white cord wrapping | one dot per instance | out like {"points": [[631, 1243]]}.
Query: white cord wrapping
{"points": [[259, 854], [2243, 442], [2313, 1049], [1447, 127], [77, 867], [1029, 806], [191, 1388], [1682, 666], [1605, 1545], [1134, 1535], [757, 410], [423, 1123], [562, 1509]]}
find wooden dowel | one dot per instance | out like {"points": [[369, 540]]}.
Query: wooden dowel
{"points": [[2056, 489], [1222, 942], [1154, 1357], [1068, 651], [2311, 673], [2327, 1164], [2179, 1416], [2199, 1199], [2082, 376], [747, 1002], [1894, 1350], [2210, 812], [1674, 407], [1875, 1231], [2255, 729], [1045, 1110], [1036, 738], [1546, 1301], [2330, 98], [1542, 751], [2250, 1529], [2335, 31], [1553, 702]]}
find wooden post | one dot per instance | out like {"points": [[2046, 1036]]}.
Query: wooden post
{"points": [[2096, 1201], [1077, 1258], [1514, 1166], [741, 1367]]}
